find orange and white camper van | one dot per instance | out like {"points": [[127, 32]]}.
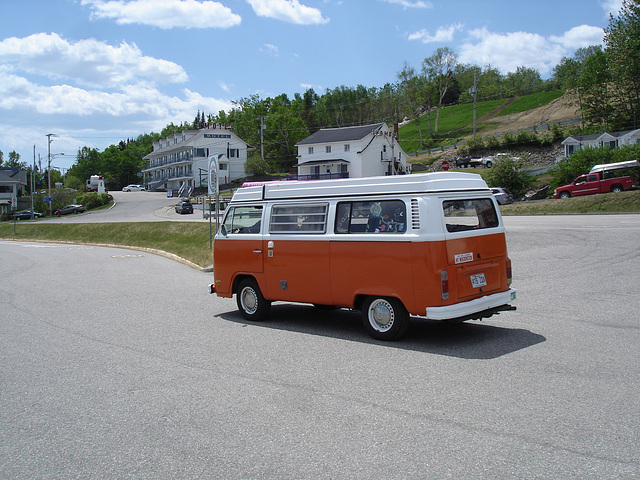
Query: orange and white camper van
{"points": [[430, 245]]}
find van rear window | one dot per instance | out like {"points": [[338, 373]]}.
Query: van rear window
{"points": [[385, 216], [461, 215]]}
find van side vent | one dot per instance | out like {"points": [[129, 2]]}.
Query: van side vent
{"points": [[415, 214]]}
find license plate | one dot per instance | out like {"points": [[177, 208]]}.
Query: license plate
{"points": [[478, 280]]}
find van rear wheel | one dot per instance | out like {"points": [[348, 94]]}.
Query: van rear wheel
{"points": [[384, 318], [251, 303]]}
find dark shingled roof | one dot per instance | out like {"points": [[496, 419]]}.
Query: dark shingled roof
{"points": [[345, 134]]}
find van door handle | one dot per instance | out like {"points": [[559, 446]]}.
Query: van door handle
{"points": [[257, 251]]}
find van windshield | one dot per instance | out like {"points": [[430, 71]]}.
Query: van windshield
{"points": [[243, 219], [461, 215]]}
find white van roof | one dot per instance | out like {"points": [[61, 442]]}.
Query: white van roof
{"points": [[614, 166], [439, 182]]}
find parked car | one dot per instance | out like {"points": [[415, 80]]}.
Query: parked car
{"points": [[184, 206], [75, 208], [502, 195], [133, 188], [26, 215]]}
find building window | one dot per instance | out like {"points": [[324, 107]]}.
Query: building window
{"points": [[347, 148], [327, 149], [310, 150]]}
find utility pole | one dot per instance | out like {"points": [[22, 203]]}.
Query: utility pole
{"points": [[49, 135], [261, 137], [33, 181], [475, 96]]}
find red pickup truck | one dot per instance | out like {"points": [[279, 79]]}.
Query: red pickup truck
{"points": [[599, 180]]}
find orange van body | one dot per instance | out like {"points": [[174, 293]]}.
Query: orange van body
{"points": [[438, 251]]}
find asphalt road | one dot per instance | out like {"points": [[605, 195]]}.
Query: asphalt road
{"points": [[117, 364], [133, 207]]}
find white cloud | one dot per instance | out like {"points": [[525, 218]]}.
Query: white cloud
{"points": [[443, 34], [290, 11], [165, 14], [87, 62], [19, 94], [578, 37], [507, 51], [270, 49], [611, 7], [105, 118], [411, 3]]}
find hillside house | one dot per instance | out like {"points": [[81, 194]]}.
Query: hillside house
{"points": [[612, 140], [180, 163], [351, 152]]}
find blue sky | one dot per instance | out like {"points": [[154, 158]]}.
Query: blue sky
{"points": [[95, 72]]}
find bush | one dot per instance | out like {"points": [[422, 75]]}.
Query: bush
{"points": [[492, 141], [475, 143], [508, 139], [93, 199], [256, 167], [507, 173]]}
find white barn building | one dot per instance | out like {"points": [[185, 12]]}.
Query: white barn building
{"points": [[351, 152]]}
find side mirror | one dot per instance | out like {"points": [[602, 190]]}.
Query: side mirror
{"points": [[223, 230]]}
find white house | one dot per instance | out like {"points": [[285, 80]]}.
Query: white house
{"points": [[13, 182], [351, 152], [612, 140], [180, 162]]}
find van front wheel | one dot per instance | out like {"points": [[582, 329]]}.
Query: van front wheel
{"points": [[251, 303], [385, 318]]}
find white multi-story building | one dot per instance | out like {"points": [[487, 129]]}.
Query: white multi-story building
{"points": [[351, 152], [180, 163]]}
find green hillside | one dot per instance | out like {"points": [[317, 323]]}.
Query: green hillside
{"points": [[456, 121]]}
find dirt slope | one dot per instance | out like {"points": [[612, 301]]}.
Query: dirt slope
{"points": [[559, 110]]}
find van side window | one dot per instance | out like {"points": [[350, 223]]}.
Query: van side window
{"points": [[385, 216], [461, 215], [243, 219], [299, 218]]}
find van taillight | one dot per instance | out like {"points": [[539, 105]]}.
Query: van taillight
{"points": [[509, 271], [444, 284]]}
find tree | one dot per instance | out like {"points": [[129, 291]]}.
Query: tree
{"points": [[415, 97], [524, 81], [508, 173], [14, 161], [622, 48], [439, 70], [594, 92]]}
